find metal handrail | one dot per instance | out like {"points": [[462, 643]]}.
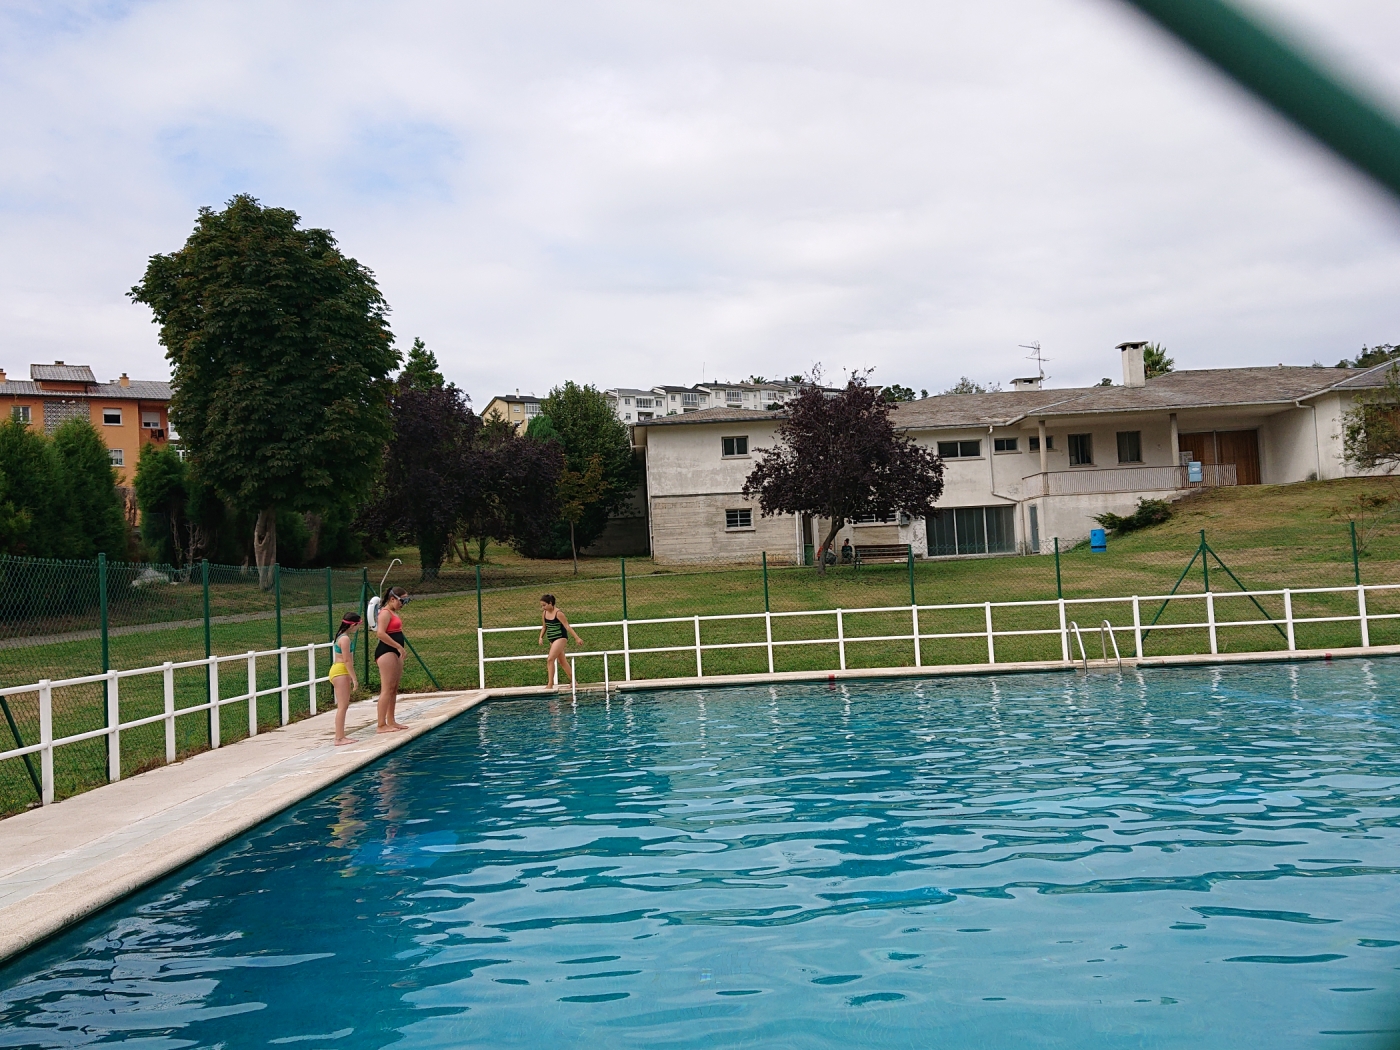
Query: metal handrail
{"points": [[1080, 639], [1108, 627]]}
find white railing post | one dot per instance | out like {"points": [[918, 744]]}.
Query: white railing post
{"points": [[607, 681], [1288, 617], [991, 647], [626, 654], [480, 658], [46, 740], [841, 636], [311, 675], [252, 693], [699, 664], [1137, 627], [1361, 613], [114, 733], [768, 629], [285, 696], [213, 701], [168, 673], [918, 642], [1210, 621], [573, 679], [1064, 634]]}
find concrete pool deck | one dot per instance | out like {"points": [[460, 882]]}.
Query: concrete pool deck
{"points": [[61, 863]]}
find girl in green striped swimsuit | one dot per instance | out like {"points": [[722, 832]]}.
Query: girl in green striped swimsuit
{"points": [[554, 625]]}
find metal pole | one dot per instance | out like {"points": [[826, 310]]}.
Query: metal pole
{"points": [[623, 562], [912, 600], [211, 695], [364, 611], [1059, 590], [106, 646], [330, 606], [277, 598], [766, 607], [1205, 567], [1355, 558], [1300, 88], [478, 597], [1288, 615]]}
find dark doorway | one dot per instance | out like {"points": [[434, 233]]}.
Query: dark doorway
{"points": [[1240, 447]]}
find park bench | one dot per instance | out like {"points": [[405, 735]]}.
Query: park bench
{"points": [[871, 553]]}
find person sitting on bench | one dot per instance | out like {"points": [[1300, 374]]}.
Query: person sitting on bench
{"points": [[848, 553]]}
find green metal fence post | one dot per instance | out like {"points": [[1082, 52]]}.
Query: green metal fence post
{"points": [[478, 596], [624, 587], [102, 605], [1355, 558], [209, 697], [1059, 590], [277, 599], [911, 576], [765, 582], [1205, 569], [330, 605], [106, 650]]}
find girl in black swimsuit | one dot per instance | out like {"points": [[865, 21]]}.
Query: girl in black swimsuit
{"points": [[389, 654], [555, 626]]}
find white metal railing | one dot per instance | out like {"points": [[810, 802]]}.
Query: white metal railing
{"points": [[1088, 480], [115, 727], [842, 640]]}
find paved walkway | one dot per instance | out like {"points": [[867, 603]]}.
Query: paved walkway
{"points": [[60, 863]]}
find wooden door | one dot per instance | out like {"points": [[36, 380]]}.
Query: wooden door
{"points": [[1241, 447], [1201, 446]]}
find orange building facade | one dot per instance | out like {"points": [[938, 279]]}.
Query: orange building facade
{"points": [[128, 413]]}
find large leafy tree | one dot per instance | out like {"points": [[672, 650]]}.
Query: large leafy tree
{"points": [[1371, 427], [280, 352], [37, 488], [519, 497], [93, 501], [580, 419], [840, 458]]}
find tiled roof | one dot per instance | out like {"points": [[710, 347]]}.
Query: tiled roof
{"points": [[712, 415], [139, 390], [967, 410], [521, 398], [61, 373]]}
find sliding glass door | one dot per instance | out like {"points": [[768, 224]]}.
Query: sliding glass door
{"points": [[972, 530]]}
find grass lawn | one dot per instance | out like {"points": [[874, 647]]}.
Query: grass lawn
{"points": [[1269, 537]]}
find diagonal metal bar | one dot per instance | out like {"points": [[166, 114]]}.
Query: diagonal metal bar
{"points": [[1167, 599], [1267, 615], [19, 742], [1298, 87], [422, 664]]}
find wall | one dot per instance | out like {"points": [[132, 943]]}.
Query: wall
{"points": [[128, 435], [691, 529], [684, 460], [1287, 452]]}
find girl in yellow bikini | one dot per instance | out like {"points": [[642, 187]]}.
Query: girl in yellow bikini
{"points": [[343, 680]]}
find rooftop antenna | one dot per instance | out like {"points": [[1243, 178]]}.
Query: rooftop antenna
{"points": [[1036, 356]]}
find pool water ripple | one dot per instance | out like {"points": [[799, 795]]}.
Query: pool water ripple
{"points": [[1185, 858]]}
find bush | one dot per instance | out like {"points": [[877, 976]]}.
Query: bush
{"points": [[1149, 512]]}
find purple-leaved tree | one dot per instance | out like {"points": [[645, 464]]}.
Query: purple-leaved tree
{"points": [[840, 458]]}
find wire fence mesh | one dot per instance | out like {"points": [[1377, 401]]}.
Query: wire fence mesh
{"points": [[66, 619]]}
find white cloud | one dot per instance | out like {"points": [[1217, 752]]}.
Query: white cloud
{"points": [[620, 192]]}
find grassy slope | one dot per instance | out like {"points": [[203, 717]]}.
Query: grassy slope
{"points": [[1271, 537]]}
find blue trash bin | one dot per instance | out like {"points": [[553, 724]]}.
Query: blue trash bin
{"points": [[1098, 540]]}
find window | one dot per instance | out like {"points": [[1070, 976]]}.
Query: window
{"points": [[150, 420], [960, 449], [626, 400], [1049, 443], [733, 397], [1130, 446], [871, 519], [1004, 444], [117, 457], [645, 415], [112, 417], [627, 415], [532, 408], [735, 446], [20, 413], [690, 399], [644, 402], [1081, 450], [738, 519], [972, 530]]}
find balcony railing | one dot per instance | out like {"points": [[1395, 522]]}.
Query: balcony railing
{"points": [[1128, 479]]}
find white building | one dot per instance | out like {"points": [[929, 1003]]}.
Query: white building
{"points": [[634, 404], [1021, 467]]}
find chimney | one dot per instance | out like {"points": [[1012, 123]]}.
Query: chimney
{"points": [[125, 380], [2, 376], [1134, 371], [1026, 383], [58, 362]]}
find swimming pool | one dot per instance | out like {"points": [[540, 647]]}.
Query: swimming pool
{"points": [[1176, 858]]}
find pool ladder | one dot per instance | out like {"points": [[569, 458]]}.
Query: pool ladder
{"points": [[1106, 636]]}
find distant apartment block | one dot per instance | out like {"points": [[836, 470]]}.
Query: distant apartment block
{"points": [[517, 409], [127, 413], [635, 404]]}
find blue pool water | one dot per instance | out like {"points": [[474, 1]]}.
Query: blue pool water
{"points": [[1197, 858]]}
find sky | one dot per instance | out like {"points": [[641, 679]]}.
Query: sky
{"points": [[628, 193]]}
